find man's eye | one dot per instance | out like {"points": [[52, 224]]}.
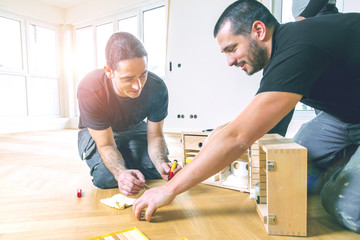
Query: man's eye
{"points": [[127, 79]]}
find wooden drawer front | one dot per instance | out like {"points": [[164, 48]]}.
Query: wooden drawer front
{"points": [[193, 142]]}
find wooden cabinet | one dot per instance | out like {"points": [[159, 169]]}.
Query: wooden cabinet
{"points": [[278, 167], [192, 143]]}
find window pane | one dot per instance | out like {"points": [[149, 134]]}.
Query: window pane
{"points": [[103, 34], [42, 48], [12, 96], [10, 44], [128, 25], [85, 59], [43, 96], [287, 15], [155, 39]]}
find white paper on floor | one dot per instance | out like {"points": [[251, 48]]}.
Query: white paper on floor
{"points": [[118, 201]]}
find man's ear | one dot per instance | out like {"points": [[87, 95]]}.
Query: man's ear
{"points": [[108, 71], [258, 30]]}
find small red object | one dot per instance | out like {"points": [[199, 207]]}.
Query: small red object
{"points": [[171, 173], [79, 193], [170, 176]]}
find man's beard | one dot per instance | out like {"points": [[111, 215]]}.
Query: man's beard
{"points": [[257, 57]]}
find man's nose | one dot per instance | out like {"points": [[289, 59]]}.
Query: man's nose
{"points": [[137, 84], [231, 60]]}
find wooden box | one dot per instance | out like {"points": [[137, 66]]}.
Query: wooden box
{"points": [[192, 143], [280, 167]]}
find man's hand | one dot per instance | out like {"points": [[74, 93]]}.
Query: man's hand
{"points": [[152, 199], [165, 169], [130, 182], [300, 18]]}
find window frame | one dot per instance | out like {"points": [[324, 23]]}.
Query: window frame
{"points": [[96, 40], [25, 23], [23, 70], [166, 32], [136, 10], [135, 13], [94, 60], [50, 26]]}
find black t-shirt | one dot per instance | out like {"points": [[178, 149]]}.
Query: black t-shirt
{"points": [[101, 108], [318, 58]]}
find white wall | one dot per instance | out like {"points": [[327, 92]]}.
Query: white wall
{"points": [[94, 9], [351, 6], [204, 85], [35, 10]]}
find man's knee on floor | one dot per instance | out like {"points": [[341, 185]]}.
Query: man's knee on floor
{"points": [[104, 184], [344, 208], [341, 194], [104, 181]]}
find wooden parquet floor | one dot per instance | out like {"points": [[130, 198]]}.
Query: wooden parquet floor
{"points": [[40, 173]]}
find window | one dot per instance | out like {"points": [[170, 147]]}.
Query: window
{"points": [[155, 39], [129, 24], [12, 96], [42, 50], [286, 12], [42, 83], [148, 24], [103, 33], [28, 67], [43, 96], [10, 44], [85, 56]]}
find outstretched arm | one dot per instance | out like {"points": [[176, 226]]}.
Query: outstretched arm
{"points": [[265, 110]]}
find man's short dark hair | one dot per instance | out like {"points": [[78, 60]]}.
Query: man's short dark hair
{"points": [[242, 14], [123, 46]]}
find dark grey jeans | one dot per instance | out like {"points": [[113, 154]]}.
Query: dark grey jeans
{"points": [[132, 145], [332, 171]]}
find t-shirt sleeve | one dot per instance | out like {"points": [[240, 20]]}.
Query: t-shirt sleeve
{"points": [[159, 103], [295, 70], [313, 8], [92, 111]]}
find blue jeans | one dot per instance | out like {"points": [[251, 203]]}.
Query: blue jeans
{"points": [[333, 167], [132, 145]]}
